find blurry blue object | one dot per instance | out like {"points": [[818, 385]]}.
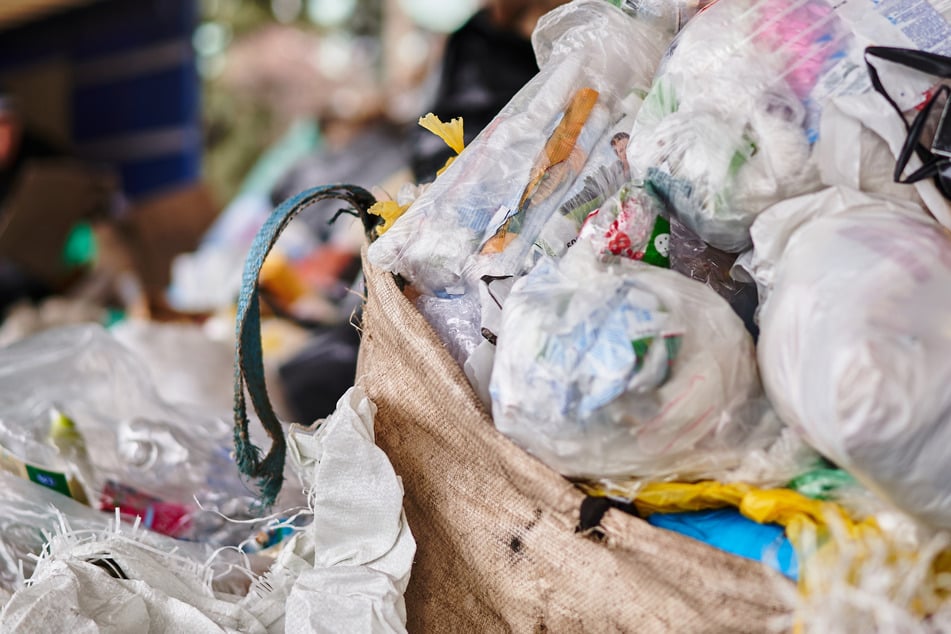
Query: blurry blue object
{"points": [[134, 97], [727, 530]]}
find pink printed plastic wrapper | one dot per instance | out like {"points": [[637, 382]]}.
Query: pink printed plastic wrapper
{"points": [[166, 518], [629, 225]]}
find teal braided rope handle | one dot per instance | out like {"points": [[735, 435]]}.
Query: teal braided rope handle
{"points": [[248, 359]]}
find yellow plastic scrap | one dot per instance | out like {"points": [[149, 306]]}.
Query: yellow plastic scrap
{"points": [[838, 556], [785, 507], [450, 132], [676, 497], [389, 210]]}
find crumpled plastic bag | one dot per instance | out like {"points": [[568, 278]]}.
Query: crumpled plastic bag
{"points": [[345, 572], [483, 214], [144, 454], [855, 344], [620, 368], [730, 124], [633, 224], [630, 224]]}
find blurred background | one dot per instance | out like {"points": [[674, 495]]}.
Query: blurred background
{"points": [[142, 145]]}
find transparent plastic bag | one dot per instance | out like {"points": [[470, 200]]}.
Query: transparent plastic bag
{"points": [[455, 320], [855, 349], [729, 126], [610, 369], [483, 214], [699, 261], [605, 172], [672, 14], [146, 456]]}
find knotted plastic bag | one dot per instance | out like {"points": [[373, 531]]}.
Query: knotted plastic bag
{"points": [[619, 368], [855, 343]]}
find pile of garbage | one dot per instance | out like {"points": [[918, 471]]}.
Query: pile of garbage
{"points": [[681, 268], [699, 265]]}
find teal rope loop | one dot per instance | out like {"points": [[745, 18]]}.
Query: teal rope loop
{"points": [[249, 361]]}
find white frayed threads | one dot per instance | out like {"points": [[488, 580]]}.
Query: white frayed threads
{"points": [[868, 580]]}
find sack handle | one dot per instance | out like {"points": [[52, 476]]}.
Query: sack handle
{"points": [[248, 360]]}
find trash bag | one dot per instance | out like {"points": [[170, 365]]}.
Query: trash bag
{"points": [[731, 122], [854, 345], [609, 369], [484, 213]]}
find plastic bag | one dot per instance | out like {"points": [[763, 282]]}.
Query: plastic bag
{"points": [[728, 530], [604, 173], [455, 320], [499, 193], [621, 368], [672, 14], [730, 123], [144, 455], [855, 350], [633, 224], [699, 261]]}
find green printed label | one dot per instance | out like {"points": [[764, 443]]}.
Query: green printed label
{"points": [[50, 479], [657, 251]]}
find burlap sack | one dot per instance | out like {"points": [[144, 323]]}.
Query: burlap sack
{"points": [[498, 548]]}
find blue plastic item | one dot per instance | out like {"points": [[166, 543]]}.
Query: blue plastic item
{"points": [[727, 530]]}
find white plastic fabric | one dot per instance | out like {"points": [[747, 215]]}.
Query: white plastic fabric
{"points": [[583, 44], [730, 124], [620, 368], [855, 344], [346, 572], [29, 513]]}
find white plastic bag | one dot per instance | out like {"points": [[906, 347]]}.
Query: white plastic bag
{"points": [[620, 368], [855, 344], [730, 124]]}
